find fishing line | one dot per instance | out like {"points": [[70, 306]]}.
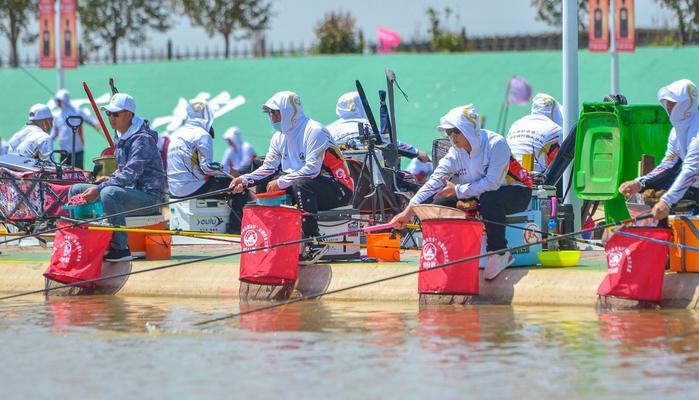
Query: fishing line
{"points": [[439, 266]]}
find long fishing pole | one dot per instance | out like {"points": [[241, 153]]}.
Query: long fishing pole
{"points": [[209, 258], [127, 212], [40, 180], [409, 273]]}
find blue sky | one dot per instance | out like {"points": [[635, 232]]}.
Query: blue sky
{"points": [[295, 20]]}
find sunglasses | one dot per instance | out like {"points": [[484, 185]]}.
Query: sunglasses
{"points": [[113, 114], [451, 131]]}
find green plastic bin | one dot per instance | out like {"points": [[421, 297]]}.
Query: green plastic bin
{"points": [[609, 142]]}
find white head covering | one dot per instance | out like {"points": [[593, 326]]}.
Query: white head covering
{"points": [[199, 114], [289, 104], [39, 111], [233, 134], [546, 105], [466, 120], [349, 106], [684, 93], [63, 96]]}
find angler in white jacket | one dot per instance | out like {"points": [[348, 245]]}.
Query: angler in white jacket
{"points": [[538, 133], [679, 169], [33, 141], [475, 167], [313, 169], [239, 155], [345, 130]]}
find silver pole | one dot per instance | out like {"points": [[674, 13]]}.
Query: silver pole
{"points": [[59, 48], [570, 92], [615, 55]]}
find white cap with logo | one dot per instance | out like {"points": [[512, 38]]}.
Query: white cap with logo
{"points": [[119, 102], [39, 112]]}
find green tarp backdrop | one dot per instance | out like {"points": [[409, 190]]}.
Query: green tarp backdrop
{"points": [[434, 83]]}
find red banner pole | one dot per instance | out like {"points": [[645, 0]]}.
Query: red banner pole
{"points": [[99, 116]]}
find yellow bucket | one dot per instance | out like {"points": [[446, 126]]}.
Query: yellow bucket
{"points": [[561, 258], [107, 165]]}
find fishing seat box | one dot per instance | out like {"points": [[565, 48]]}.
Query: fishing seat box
{"points": [[339, 220], [517, 237], [685, 231], [137, 241], [202, 215]]}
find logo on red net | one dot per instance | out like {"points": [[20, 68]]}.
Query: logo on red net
{"points": [[250, 238], [429, 252], [615, 257], [251, 235]]}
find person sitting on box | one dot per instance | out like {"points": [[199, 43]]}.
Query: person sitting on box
{"points": [[479, 161], [139, 179], [239, 157], [313, 170], [538, 133], [678, 171], [189, 162], [34, 141]]}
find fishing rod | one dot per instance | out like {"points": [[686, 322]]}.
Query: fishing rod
{"points": [[209, 258], [174, 232], [584, 241], [88, 221], [409, 273], [653, 240], [39, 180]]}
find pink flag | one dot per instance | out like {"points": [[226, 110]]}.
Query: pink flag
{"points": [[518, 91], [388, 40]]}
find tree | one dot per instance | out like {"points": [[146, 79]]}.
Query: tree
{"points": [[14, 18], [442, 38], [113, 21], [227, 17], [337, 33], [551, 12], [687, 13]]}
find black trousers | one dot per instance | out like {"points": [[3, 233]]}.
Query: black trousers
{"points": [[235, 201], [78, 159], [318, 194], [495, 206]]}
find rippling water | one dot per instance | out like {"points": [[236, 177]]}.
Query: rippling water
{"points": [[125, 347]]}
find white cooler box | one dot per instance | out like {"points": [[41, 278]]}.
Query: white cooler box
{"points": [[339, 220], [203, 215]]}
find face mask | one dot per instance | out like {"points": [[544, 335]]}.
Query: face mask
{"points": [[277, 126]]}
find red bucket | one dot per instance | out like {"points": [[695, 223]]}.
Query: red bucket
{"points": [[77, 254], [265, 226], [447, 240], [636, 266]]}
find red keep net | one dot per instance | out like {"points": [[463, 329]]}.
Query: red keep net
{"points": [[77, 254], [265, 226], [447, 240], [636, 266]]}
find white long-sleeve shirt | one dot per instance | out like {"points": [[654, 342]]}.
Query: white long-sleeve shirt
{"points": [[683, 142], [31, 142], [483, 170], [64, 133]]}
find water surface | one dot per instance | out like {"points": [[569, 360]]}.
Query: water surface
{"points": [[129, 347]]}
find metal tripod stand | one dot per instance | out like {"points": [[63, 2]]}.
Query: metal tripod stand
{"points": [[377, 184]]}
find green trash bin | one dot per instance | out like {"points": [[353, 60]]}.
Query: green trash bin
{"points": [[610, 140]]}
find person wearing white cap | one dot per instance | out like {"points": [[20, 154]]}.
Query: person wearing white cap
{"points": [[33, 140], [345, 130], [478, 160], [678, 172], [64, 133], [139, 179], [313, 170], [239, 155], [538, 133]]}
